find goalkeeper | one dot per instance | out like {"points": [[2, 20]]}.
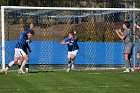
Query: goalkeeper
{"points": [[71, 42]]}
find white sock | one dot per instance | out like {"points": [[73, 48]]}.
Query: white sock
{"points": [[69, 65], [72, 61], [27, 70], [11, 63], [23, 64], [6, 68]]}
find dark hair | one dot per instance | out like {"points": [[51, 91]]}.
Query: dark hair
{"points": [[127, 23], [72, 33], [32, 32]]}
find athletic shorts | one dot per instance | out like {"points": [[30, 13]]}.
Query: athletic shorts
{"points": [[70, 53], [128, 48], [19, 53]]}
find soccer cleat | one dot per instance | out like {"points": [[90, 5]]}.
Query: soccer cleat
{"points": [[5, 70], [21, 72], [27, 70], [136, 68], [132, 69], [68, 70], [72, 67], [127, 70]]}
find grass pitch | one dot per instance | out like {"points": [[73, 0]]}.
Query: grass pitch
{"points": [[72, 82]]}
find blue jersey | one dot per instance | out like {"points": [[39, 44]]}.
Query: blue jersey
{"points": [[26, 48], [22, 39], [72, 43]]}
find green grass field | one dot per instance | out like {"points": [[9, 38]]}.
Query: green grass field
{"points": [[72, 82]]}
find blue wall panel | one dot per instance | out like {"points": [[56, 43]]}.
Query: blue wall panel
{"points": [[45, 52]]}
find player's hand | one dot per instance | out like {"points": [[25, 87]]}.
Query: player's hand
{"points": [[30, 41], [119, 30], [30, 50], [66, 42], [137, 26], [31, 25], [116, 30]]}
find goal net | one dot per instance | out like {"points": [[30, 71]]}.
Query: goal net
{"points": [[100, 47]]}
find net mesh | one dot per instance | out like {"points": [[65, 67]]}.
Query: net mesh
{"points": [[99, 45]]}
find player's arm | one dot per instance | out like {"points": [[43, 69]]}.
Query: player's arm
{"points": [[29, 48], [65, 41], [120, 34], [138, 27], [31, 25]]}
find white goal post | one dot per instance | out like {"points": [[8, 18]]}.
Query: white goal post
{"points": [[49, 8]]}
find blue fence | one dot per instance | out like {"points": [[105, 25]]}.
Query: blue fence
{"points": [[45, 52]]}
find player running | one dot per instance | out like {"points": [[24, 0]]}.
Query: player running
{"points": [[126, 35], [71, 42], [20, 45]]}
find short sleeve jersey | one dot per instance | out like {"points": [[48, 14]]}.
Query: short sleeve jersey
{"points": [[21, 43], [128, 36], [72, 43]]}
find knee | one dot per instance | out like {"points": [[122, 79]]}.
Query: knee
{"points": [[126, 56], [26, 58], [138, 55], [73, 57]]}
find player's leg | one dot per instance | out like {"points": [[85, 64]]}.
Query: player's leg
{"points": [[126, 60], [127, 54], [130, 60], [10, 64], [74, 53], [139, 61], [20, 60], [69, 61], [27, 65], [25, 57], [16, 56], [137, 67]]}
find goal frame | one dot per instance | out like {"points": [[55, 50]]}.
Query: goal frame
{"points": [[56, 8]]}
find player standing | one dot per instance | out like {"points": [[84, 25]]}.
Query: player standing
{"points": [[20, 45], [137, 67], [126, 35], [71, 42]]}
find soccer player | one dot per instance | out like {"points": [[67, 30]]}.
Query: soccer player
{"points": [[26, 49], [72, 65], [20, 45], [137, 67], [126, 35], [71, 42]]}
